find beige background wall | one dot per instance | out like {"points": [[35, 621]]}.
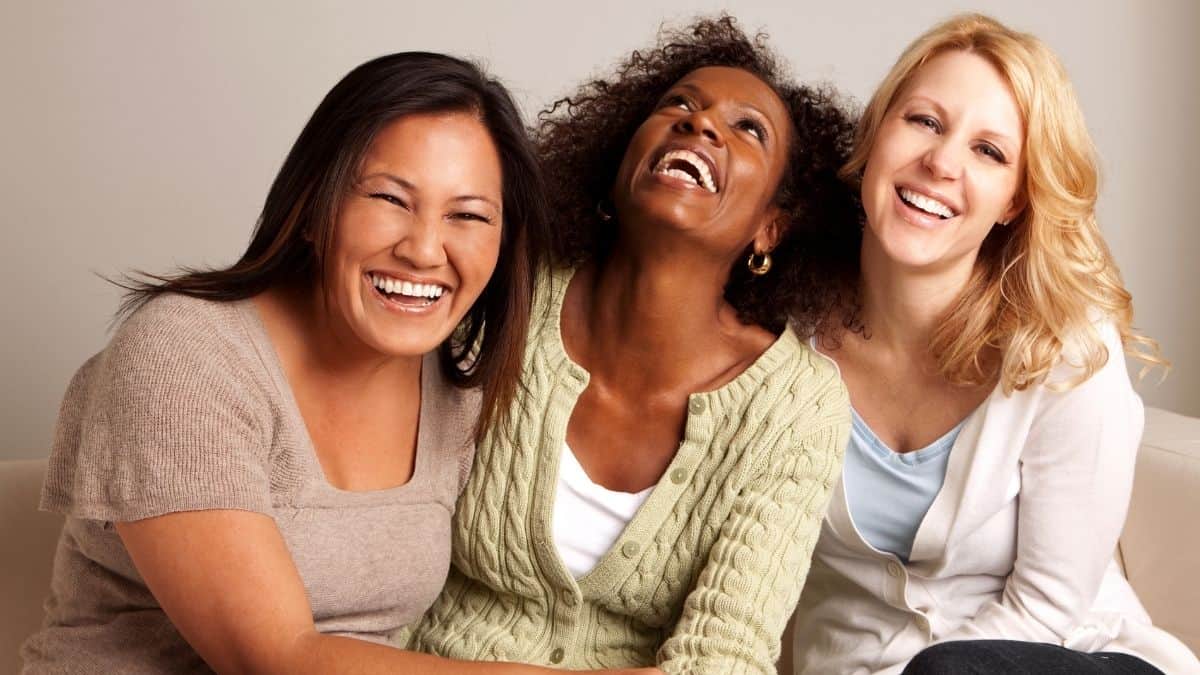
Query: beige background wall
{"points": [[144, 134]]}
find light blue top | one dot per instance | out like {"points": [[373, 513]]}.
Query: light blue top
{"points": [[887, 492]]}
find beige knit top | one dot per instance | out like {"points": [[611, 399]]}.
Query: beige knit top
{"points": [[705, 575], [188, 409]]}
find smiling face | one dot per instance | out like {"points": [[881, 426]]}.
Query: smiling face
{"points": [[945, 165], [418, 235], [709, 159]]}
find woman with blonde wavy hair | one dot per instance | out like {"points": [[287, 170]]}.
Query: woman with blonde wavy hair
{"points": [[983, 345]]}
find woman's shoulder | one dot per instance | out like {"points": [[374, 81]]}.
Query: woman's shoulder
{"points": [[172, 316], [173, 330], [183, 347], [1093, 355], [793, 363], [549, 293], [549, 290], [796, 411], [171, 412], [791, 383]]}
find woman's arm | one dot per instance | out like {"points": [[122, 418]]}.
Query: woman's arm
{"points": [[174, 448], [226, 580], [1076, 478], [733, 617]]}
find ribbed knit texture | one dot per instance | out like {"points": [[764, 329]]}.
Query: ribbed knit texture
{"points": [[704, 576]]}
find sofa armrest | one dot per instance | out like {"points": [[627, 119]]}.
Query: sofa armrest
{"points": [[27, 543], [1159, 547]]}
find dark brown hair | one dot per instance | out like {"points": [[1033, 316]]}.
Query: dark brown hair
{"points": [[582, 139], [295, 229]]}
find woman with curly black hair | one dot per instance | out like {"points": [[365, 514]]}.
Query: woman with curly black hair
{"points": [[658, 493]]}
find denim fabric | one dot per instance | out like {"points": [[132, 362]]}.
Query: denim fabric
{"points": [[991, 657]]}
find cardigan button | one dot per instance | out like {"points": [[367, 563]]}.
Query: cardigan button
{"points": [[893, 569], [630, 549], [922, 623], [557, 655], [568, 597], [678, 475], [697, 406]]}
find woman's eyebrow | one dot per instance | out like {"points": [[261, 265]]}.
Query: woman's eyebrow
{"points": [[392, 178], [477, 198], [739, 102]]}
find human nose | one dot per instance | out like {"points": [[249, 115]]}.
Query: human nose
{"points": [[422, 244], [943, 159], [701, 123]]}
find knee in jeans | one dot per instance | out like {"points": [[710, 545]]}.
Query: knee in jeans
{"points": [[947, 658]]}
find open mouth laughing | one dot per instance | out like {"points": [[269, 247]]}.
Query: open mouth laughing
{"points": [[925, 204], [688, 166], [406, 295]]}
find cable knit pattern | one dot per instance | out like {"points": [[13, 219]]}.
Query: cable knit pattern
{"points": [[704, 576]]}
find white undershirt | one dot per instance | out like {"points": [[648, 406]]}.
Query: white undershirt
{"points": [[588, 518]]}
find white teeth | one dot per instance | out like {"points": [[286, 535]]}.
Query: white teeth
{"points": [[926, 204], [680, 173], [407, 288], [694, 160]]}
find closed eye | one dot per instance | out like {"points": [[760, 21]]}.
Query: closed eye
{"points": [[389, 198], [467, 215]]}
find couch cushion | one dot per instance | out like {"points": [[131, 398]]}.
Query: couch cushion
{"points": [[1159, 547]]}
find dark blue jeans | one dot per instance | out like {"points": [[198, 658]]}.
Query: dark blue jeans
{"points": [[987, 657]]}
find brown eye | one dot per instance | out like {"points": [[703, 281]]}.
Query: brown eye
{"points": [[677, 101], [926, 121], [753, 128], [992, 152]]}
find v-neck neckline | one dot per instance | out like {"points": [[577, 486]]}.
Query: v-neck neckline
{"points": [[923, 547], [317, 484], [622, 556]]}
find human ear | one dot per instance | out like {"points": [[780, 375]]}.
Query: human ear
{"points": [[770, 232]]}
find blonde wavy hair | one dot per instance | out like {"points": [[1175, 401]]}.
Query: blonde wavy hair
{"points": [[1039, 282]]}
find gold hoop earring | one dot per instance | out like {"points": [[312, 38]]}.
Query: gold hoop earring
{"points": [[759, 268], [600, 211]]}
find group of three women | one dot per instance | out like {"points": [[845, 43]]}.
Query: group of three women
{"points": [[607, 378]]}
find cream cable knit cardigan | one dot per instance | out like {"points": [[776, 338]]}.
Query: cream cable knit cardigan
{"points": [[704, 576]]}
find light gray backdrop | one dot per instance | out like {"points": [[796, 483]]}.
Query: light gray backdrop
{"points": [[144, 134]]}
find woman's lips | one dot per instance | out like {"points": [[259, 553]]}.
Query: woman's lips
{"points": [[407, 297]]}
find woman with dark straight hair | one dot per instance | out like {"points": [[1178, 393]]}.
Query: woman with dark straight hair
{"points": [[295, 231], [263, 463]]}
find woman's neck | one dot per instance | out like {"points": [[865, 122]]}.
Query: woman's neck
{"points": [[901, 306], [323, 349], [650, 319]]}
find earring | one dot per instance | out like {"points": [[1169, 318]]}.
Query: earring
{"points": [[600, 211], [759, 268]]}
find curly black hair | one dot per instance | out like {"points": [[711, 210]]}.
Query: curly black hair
{"points": [[582, 138]]}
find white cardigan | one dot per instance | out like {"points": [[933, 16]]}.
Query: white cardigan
{"points": [[1017, 545]]}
